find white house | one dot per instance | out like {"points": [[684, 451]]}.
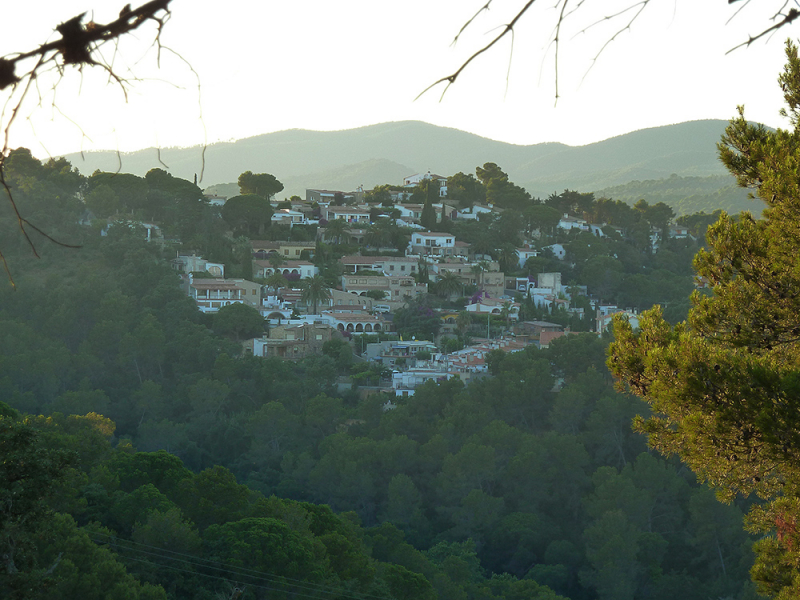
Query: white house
{"points": [[475, 211], [414, 180], [404, 383], [411, 212], [431, 242], [490, 306], [523, 254], [289, 217], [212, 294], [197, 264], [567, 222], [346, 213], [558, 251], [354, 323], [603, 321], [301, 268], [596, 230]]}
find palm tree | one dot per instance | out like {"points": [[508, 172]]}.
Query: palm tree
{"points": [[477, 270], [463, 323], [509, 258], [505, 312], [315, 290], [381, 233], [335, 229], [276, 281], [448, 284], [275, 261]]}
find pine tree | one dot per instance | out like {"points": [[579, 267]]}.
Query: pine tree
{"points": [[724, 387]]}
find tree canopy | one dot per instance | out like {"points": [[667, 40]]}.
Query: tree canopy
{"points": [[260, 184], [723, 386]]}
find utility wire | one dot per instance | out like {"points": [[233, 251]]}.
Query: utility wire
{"points": [[226, 580], [216, 565]]}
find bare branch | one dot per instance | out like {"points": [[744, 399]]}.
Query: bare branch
{"points": [[557, 39], [786, 20], [568, 8], [78, 45], [642, 5], [450, 79], [485, 7]]}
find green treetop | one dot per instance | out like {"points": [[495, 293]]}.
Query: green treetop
{"points": [[259, 184]]}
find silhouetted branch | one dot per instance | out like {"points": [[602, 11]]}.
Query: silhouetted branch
{"points": [[450, 79], [568, 8], [785, 20], [79, 45]]}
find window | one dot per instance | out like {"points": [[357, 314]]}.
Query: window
{"points": [[391, 267], [319, 336], [402, 267]]}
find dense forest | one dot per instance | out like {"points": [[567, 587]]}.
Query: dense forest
{"points": [[148, 458]]}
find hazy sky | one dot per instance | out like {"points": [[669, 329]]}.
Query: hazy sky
{"points": [[265, 66]]}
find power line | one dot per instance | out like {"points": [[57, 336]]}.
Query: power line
{"points": [[196, 561], [226, 580]]}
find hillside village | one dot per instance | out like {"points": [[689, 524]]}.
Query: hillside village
{"points": [[426, 358], [353, 265]]}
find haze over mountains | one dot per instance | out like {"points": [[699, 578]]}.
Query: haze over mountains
{"points": [[387, 152]]}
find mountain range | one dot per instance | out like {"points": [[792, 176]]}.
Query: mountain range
{"points": [[387, 152]]}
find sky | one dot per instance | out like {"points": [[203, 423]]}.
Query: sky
{"points": [[236, 69]]}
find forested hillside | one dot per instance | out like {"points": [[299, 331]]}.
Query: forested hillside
{"points": [[165, 464], [688, 195]]}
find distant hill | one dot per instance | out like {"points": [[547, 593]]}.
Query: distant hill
{"points": [[387, 152]]}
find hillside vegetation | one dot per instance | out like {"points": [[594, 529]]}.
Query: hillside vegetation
{"points": [[687, 195]]}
